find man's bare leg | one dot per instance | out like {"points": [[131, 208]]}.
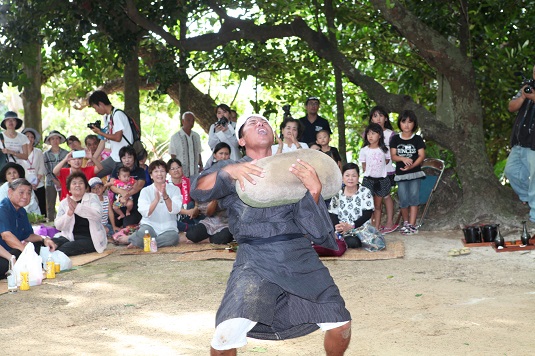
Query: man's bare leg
{"points": [[337, 340], [231, 352]]}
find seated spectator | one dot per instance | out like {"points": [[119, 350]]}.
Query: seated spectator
{"points": [[53, 156], [159, 204], [97, 187], [142, 158], [14, 145], [221, 152], [10, 172], [15, 228], [291, 131], [80, 219], [125, 182], [214, 227], [75, 166], [189, 211], [35, 168], [127, 155], [353, 206]]}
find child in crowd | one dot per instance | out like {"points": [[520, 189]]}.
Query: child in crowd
{"points": [[126, 182], [97, 187], [323, 137], [379, 115], [142, 157], [374, 157], [408, 151]]}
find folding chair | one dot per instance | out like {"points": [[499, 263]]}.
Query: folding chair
{"points": [[433, 169]]}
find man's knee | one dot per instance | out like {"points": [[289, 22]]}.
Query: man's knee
{"points": [[344, 331]]}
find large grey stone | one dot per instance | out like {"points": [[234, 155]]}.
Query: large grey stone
{"points": [[279, 186]]}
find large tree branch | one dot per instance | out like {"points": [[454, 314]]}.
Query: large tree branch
{"points": [[237, 29], [432, 46]]}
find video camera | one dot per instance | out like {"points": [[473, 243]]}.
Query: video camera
{"points": [[222, 122], [94, 124], [529, 83], [287, 114]]}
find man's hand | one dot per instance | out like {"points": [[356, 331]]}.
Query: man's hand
{"points": [[50, 244], [96, 130], [244, 171], [308, 176], [530, 96]]}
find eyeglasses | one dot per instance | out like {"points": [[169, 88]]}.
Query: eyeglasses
{"points": [[175, 168]]}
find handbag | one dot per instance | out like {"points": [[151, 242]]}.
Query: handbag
{"points": [[323, 251], [371, 239]]}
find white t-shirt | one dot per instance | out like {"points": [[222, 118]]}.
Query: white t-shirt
{"points": [[286, 148], [120, 123], [15, 144], [375, 160], [390, 168], [161, 219]]}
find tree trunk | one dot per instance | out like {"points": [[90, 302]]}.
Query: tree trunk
{"points": [[131, 86], [31, 96], [339, 90]]}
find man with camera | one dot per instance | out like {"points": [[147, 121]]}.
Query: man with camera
{"points": [[116, 128], [312, 122], [520, 167], [224, 131]]}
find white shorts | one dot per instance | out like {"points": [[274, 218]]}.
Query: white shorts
{"points": [[232, 333]]}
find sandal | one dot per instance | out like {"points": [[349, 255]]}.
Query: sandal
{"points": [[454, 252], [465, 251]]}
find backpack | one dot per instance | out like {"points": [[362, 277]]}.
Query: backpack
{"points": [[137, 144], [4, 159]]}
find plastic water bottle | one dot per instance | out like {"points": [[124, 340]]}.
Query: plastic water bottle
{"points": [[153, 245], [146, 241], [50, 267], [11, 277]]}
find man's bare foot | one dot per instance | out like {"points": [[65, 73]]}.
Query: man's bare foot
{"points": [[131, 246]]}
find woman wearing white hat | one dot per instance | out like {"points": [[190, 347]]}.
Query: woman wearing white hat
{"points": [[53, 156], [35, 167], [13, 144]]}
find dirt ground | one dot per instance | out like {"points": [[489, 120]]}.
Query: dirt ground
{"points": [[425, 303]]}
